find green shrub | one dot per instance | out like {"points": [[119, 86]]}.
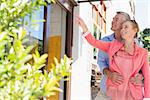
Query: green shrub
{"points": [[145, 35], [21, 78]]}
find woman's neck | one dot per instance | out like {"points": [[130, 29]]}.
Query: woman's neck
{"points": [[129, 45]]}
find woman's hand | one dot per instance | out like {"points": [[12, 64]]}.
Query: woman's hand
{"points": [[81, 23]]}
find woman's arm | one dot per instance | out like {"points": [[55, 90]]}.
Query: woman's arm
{"points": [[146, 74], [97, 43], [102, 45]]}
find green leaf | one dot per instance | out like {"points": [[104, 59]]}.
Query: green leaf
{"points": [[12, 57], [22, 33], [28, 49]]}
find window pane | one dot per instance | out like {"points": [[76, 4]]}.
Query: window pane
{"points": [[34, 25]]}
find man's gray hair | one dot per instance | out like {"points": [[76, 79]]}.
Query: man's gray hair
{"points": [[126, 15]]}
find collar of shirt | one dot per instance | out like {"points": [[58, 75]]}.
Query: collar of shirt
{"points": [[129, 53], [136, 49]]}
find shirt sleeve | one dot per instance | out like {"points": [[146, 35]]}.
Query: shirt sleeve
{"points": [[146, 74], [104, 46]]}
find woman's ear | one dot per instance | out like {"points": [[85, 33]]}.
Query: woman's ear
{"points": [[136, 32]]}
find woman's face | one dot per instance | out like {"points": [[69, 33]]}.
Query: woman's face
{"points": [[128, 31]]}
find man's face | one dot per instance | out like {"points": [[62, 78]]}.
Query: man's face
{"points": [[117, 22]]}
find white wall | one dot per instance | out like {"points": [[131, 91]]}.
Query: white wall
{"points": [[76, 49], [81, 68], [84, 11]]}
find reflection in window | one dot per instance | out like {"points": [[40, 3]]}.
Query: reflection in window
{"points": [[34, 26]]}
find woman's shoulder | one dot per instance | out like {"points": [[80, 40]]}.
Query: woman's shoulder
{"points": [[115, 44], [144, 50], [141, 49]]}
